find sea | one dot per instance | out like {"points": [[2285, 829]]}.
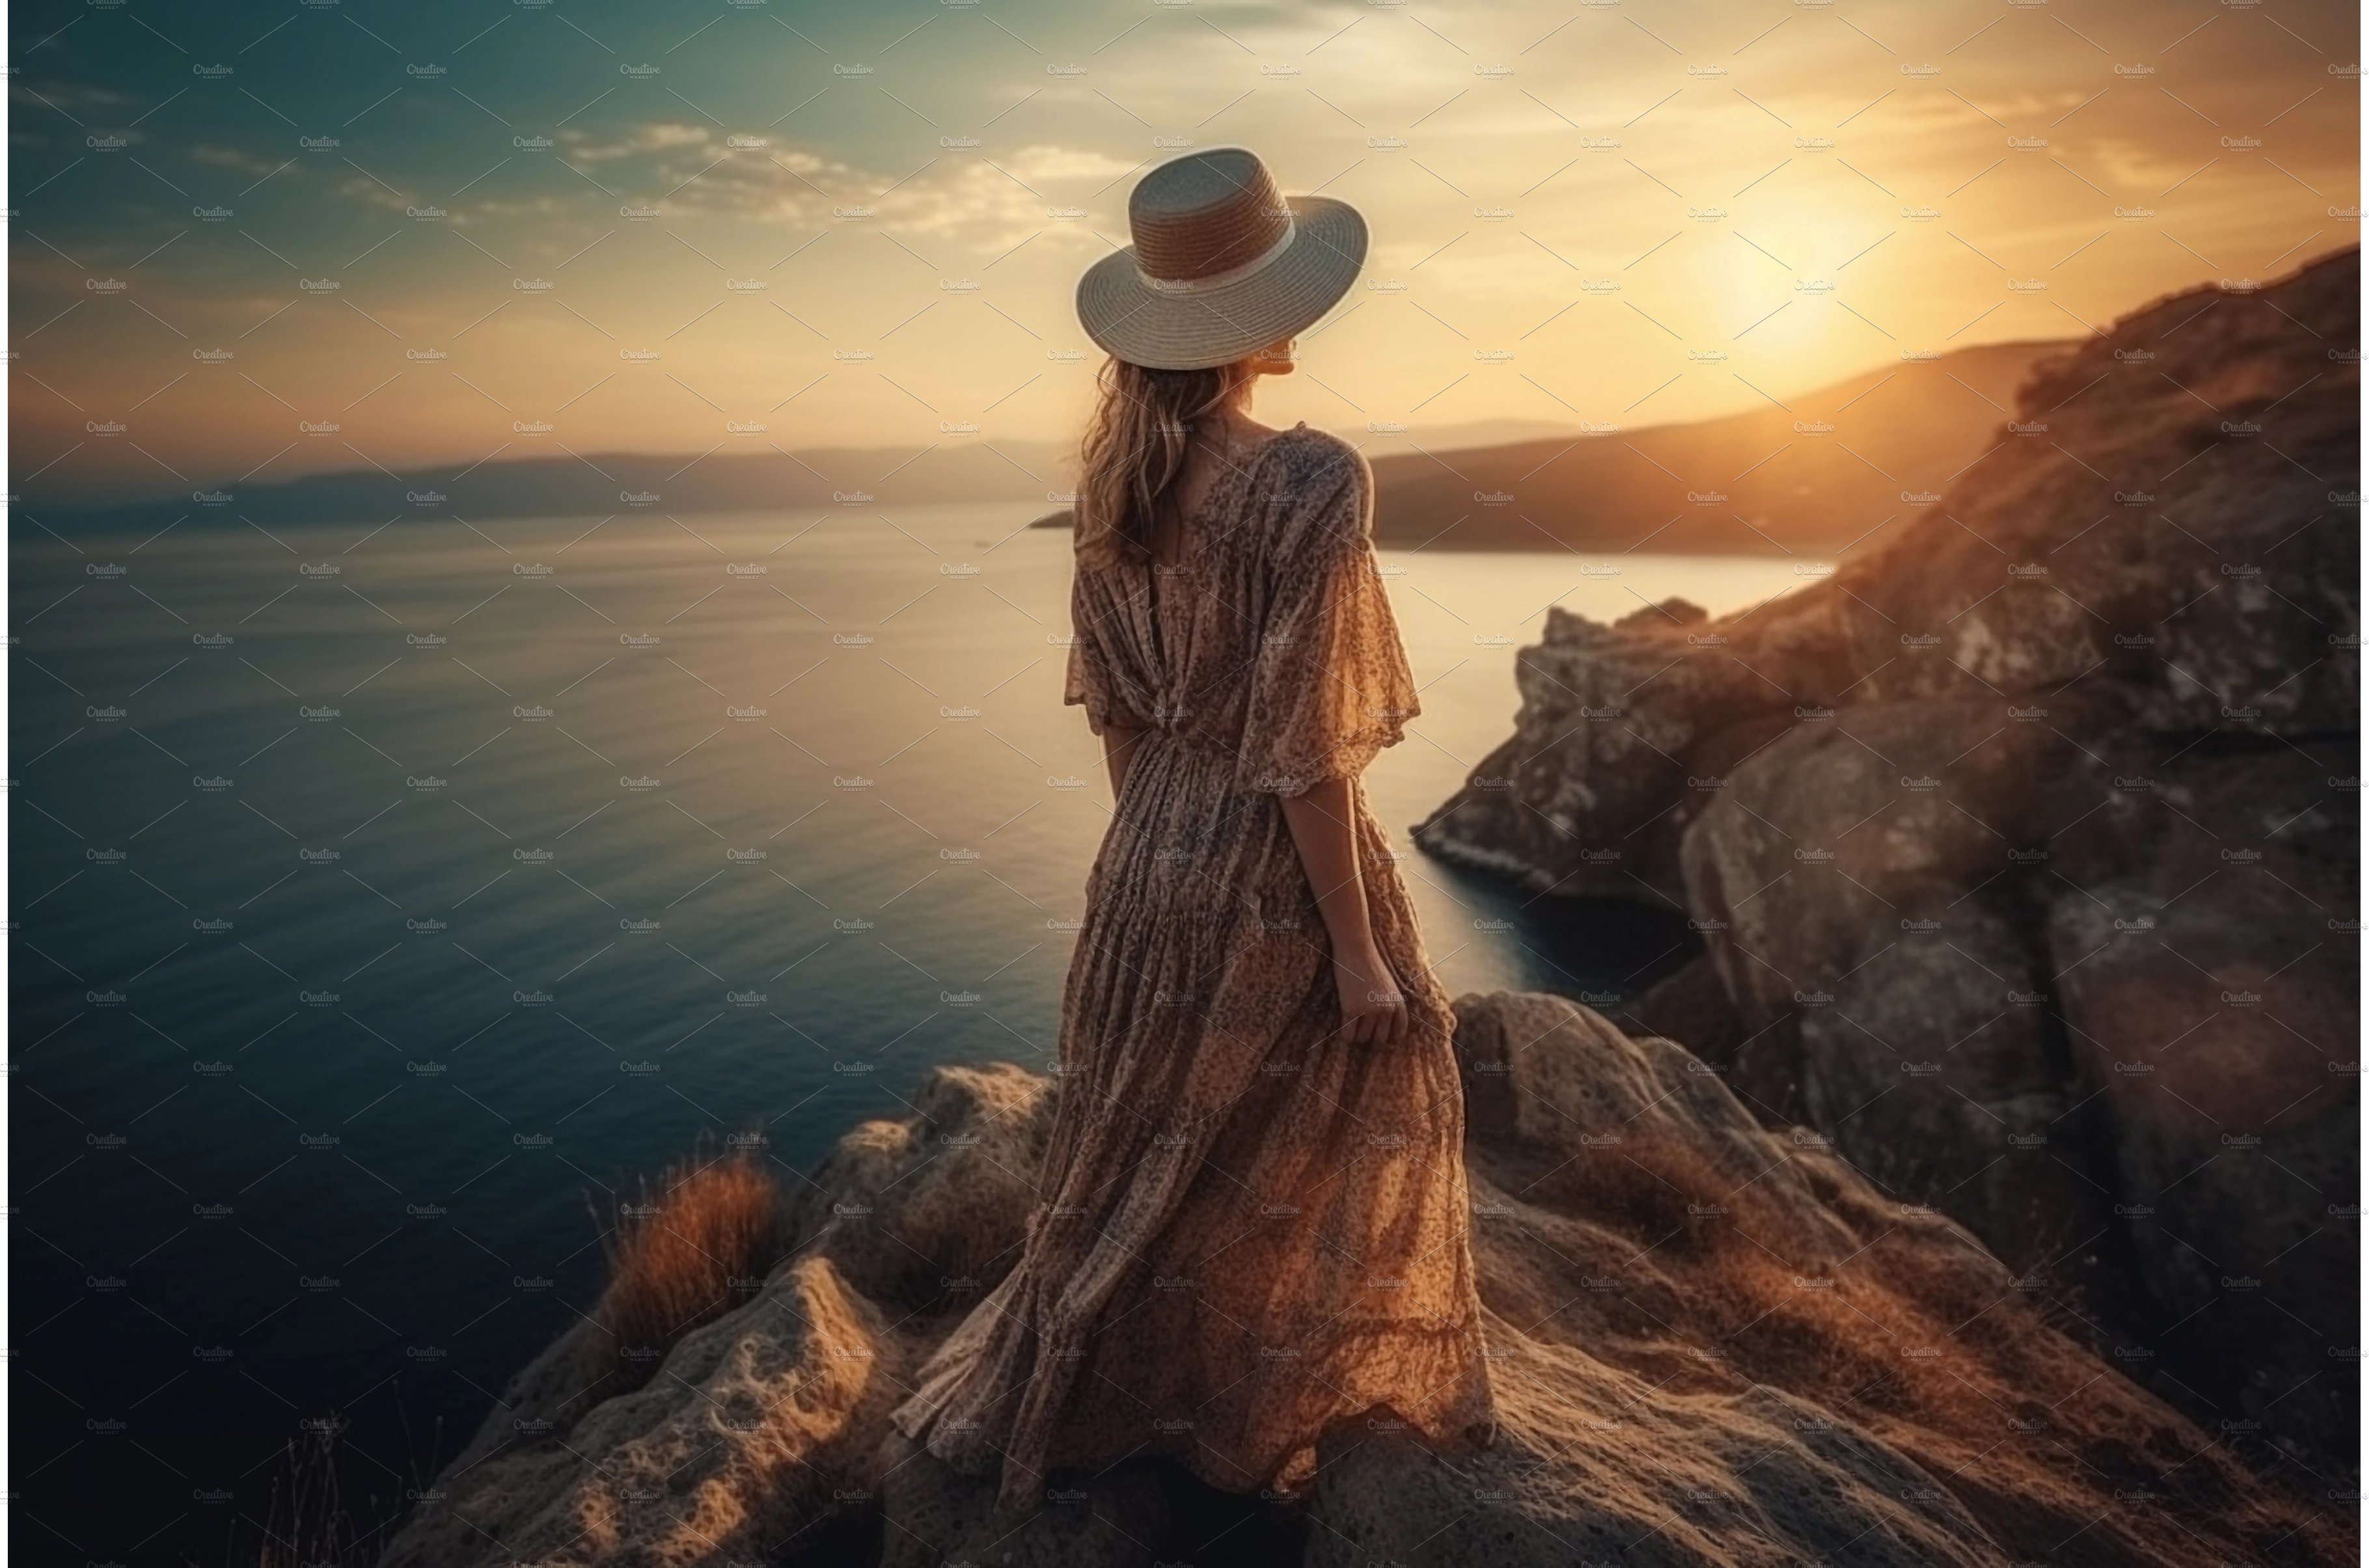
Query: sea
{"points": [[390, 897]]}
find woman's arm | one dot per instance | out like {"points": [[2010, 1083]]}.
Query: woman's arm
{"points": [[1372, 1010], [1118, 749]]}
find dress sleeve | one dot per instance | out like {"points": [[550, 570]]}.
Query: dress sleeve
{"points": [[1331, 686], [1091, 681]]}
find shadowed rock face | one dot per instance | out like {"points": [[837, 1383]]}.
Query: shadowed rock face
{"points": [[2024, 850], [1714, 1344]]}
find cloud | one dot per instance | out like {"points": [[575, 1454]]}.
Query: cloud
{"points": [[960, 196], [214, 155], [68, 97], [1039, 161], [372, 193], [585, 147]]}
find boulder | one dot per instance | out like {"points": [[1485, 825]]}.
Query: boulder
{"points": [[928, 1212], [1136, 1514], [1867, 892], [758, 1428], [933, 1513], [1689, 1006], [2210, 993], [1760, 1479]]}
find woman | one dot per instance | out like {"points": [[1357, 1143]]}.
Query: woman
{"points": [[1253, 1205]]}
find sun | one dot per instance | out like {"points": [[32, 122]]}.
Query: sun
{"points": [[1794, 291]]}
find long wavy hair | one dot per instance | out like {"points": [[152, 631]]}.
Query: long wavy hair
{"points": [[1133, 455]]}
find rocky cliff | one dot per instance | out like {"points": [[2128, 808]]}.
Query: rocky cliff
{"points": [[2024, 848], [1714, 1343]]}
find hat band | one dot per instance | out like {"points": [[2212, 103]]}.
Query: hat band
{"points": [[1221, 279]]}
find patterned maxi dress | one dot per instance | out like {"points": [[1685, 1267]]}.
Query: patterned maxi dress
{"points": [[1248, 1230]]}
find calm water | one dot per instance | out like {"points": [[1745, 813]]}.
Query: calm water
{"points": [[385, 894]]}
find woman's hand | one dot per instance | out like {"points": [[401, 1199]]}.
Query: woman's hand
{"points": [[1322, 818], [1373, 1010]]}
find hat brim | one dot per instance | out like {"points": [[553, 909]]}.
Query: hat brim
{"points": [[1137, 321]]}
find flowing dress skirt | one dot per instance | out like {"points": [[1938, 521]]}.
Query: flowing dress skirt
{"points": [[1249, 1232]]}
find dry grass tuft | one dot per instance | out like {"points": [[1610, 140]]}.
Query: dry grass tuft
{"points": [[1888, 1329], [1844, 1335], [684, 1252], [307, 1524]]}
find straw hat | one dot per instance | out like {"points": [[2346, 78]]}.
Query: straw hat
{"points": [[1222, 263]]}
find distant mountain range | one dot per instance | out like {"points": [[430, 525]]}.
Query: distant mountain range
{"points": [[1807, 475], [599, 483], [958, 468]]}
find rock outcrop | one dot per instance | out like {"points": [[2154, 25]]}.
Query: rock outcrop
{"points": [[756, 1432], [1714, 1343], [2024, 848]]}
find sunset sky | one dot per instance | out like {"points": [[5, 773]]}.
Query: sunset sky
{"points": [[454, 230]]}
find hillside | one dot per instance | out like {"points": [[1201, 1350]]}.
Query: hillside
{"points": [[1810, 475]]}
